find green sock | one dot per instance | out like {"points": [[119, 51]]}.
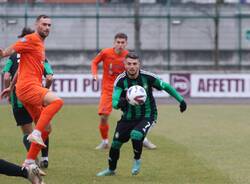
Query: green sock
{"points": [[26, 142]]}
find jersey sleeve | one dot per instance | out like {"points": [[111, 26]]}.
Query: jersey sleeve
{"points": [[160, 84], [22, 45], [47, 68], [7, 66], [95, 62]]}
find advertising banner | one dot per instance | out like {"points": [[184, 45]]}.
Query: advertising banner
{"points": [[82, 85], [188, 85], [220, 85]]}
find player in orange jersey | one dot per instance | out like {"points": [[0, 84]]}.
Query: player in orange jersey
{"points": [[41, 103], [113, 65]]}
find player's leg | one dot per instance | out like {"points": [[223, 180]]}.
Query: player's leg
{"points": [[24, 120], [11, 169], [104, 110], [52, 104], [137, 136], [44, 161], [121, 135], [147, 143], [32, 173], [39, 135]]}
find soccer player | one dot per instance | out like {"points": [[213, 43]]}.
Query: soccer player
{"points": [[32, 173], [113, 65], [135, 120], [39, 101], [22, 117]]}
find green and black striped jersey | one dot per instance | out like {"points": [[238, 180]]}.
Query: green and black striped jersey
{"points": [[11, 67], [148, 81]]}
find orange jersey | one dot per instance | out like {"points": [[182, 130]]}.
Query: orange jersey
{"points": [[31, 67], [113, 65]]}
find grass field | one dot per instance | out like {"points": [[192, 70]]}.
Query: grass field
{"points": [[208, 144]]}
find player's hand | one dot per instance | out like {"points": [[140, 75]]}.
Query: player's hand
{"points": [[183, 106], [5, 93], [95, 77]]}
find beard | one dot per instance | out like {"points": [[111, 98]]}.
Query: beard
{"points": [[43, 34]]}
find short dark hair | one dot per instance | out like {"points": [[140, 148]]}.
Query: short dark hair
{"points": [[132, 55], [121, 35], [42, 17], [25, 31]]}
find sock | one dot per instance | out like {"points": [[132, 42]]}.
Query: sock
{"points": [[45, 151], [104, 129], [137, 146], [106, 141], [48, 113], [11, 169], [114, 155], [145, 140], [35, 148], [26, 142]]}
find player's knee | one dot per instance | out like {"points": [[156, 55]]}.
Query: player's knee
{"points": [[136, 135], [116, 144], [60, 102]]}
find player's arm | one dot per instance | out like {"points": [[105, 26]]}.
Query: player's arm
{"points": [[6, 92], [48, 73], [6, 72], [6, 52], [117, 101], [94, 65], [160, 84]]}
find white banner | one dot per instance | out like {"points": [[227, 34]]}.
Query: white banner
{"points": [[189, 85], [220, 85], [76, 85], [82, 85]]}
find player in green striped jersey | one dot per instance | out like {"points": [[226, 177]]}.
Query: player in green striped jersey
{"points": [[135, 120]]}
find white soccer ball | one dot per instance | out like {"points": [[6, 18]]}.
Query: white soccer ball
{"points": [[136, 95]]}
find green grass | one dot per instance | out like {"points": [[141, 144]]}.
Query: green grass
{"points": [[208, 144]]}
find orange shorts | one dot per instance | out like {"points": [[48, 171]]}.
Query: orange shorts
{"points": [[105, 105], [32, 98]]}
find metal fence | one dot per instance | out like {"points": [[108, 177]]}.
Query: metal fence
{"points": [[168, 36]]}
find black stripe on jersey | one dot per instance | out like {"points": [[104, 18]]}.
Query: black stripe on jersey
{"points": [[123, 74], [140, 83], [133, 112]]}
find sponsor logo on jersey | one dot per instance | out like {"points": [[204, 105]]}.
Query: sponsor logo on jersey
{"points": [[23, 39]]}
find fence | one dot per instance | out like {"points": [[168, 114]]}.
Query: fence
{"points": [[168, 36]]}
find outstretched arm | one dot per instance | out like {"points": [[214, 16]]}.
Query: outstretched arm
{"points": [[160, 84], [7, 52]]}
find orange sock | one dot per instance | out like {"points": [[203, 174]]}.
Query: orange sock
{"points": [[48, 113], [104, 130], [36, 148]]}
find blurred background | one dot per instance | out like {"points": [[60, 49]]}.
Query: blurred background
{"points": [[170, 35], [183, 36]]}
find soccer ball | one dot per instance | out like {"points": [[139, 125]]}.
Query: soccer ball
{"points": [[136, 95]]}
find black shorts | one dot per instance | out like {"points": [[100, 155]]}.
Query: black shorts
{"points": [[22, 116], [124, 128]]}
